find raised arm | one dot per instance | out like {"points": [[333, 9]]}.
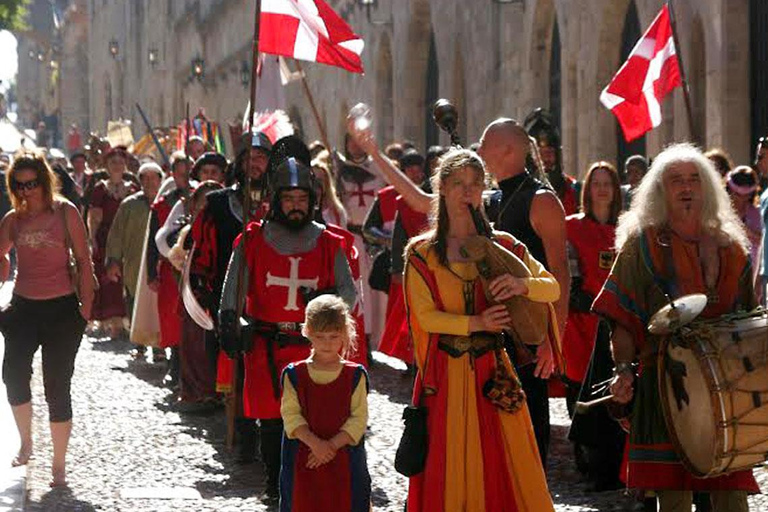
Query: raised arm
{"points": [[413, 195]]}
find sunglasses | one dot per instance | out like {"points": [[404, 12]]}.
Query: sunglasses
{"points": [[26, 185]]}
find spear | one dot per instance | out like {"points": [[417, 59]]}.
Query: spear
{"points": [[232, 404], [159, 146]]}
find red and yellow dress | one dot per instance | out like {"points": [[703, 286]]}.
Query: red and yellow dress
{"points": [[480, 458], [633, 293]]}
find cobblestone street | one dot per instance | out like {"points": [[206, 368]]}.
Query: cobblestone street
{"points": [[131, 452]]}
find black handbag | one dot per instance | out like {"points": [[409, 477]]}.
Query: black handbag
{"points": [[381, 276], [411, 455]]}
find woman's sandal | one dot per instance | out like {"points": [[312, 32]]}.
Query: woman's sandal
{"points": [[22, 458]]}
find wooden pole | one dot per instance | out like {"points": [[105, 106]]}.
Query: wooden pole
{"points": [[234, 399], [679, 53], [311, 99]]}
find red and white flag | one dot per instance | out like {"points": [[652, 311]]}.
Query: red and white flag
{"points": [[651, 72], [309, 30]]}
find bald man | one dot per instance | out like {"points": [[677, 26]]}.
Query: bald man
{"points": [[529, 210]]}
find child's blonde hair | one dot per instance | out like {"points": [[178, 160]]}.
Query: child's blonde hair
{"points": [[329, 313]]}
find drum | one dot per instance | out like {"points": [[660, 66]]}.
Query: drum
{"points": [[713, 379]]}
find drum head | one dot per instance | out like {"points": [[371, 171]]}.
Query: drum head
{"points": [[690, 425]]}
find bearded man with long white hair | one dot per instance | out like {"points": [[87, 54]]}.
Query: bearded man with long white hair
{"points": [[681, 236]]}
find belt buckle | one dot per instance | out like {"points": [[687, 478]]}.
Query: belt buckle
{"points": [[463, 343], [288, 326]]}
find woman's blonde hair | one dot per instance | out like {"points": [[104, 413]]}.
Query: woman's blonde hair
{"points": [[329, 313], [47, 179], [649, 204]]}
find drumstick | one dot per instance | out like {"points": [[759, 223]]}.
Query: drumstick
{"points": [[584, 407]]}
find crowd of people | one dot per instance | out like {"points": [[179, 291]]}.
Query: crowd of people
{"points": [[348, 252]]}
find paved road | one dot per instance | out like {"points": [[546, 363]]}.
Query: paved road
{"points": [[12, 480], [132, 452]]}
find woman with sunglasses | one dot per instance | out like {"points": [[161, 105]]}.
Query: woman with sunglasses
{"points": [[45, 310]]}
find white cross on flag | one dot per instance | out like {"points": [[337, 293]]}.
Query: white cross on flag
{"points": [[651, 72], [309, 30]]}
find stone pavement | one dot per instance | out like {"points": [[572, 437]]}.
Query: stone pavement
{"points": [[12, 480], [131, 451]]}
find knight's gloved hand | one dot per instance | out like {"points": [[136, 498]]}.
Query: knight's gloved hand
{"points": [[229, 333]]}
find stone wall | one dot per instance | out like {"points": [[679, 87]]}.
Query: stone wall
{"points": [[493, 59]]}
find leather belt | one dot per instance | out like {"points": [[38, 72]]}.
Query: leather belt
{"points": [[475, 345], [355, 229]]}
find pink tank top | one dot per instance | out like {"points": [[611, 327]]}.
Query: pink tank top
{"points": [[42, 270]]}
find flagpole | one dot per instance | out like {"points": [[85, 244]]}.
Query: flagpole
{"points": [[311, 99], [679, 52], [234, 399]]}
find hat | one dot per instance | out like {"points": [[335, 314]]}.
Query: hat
{"points": [[255, 140], [210, 158], [290, 146], [540, 125], [411, 157]]}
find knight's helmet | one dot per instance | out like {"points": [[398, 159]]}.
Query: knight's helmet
{"points": [[289, 167], [540, 125]]}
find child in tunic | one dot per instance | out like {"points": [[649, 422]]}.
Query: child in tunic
{"points": [[325, 411]]}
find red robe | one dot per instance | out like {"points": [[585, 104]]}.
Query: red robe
{"points": [[396, 341], [361, 354], [108, 302], [593, 243], [273, 296], [168, 294]]}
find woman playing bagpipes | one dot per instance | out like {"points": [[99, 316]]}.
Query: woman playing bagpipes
{"points": [[481, 453]]}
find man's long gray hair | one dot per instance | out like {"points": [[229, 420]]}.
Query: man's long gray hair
{"points": [[649, 206]]}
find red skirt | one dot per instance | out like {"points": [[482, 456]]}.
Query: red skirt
{"points": [[168, 306], [396, 340]]}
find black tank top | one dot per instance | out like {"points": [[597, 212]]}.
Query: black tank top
{"points": [[510, 208]]}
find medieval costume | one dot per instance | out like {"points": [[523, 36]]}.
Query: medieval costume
{"points": [[598, 439], [480, 457], [540, 125], [160, 269], [328, 402], [108, 304], [649, 265], [396, 341], [286, 265], [357, 186], [211, 238], [124, 242]]}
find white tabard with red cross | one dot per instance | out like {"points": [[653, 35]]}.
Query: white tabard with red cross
{"points": [[358, 197]]}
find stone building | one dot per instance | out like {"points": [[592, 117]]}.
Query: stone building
{"points": [[492, 57]]}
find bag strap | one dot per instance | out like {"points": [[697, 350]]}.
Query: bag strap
{"points": [[67, 236]]}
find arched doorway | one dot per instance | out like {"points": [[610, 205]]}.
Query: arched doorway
{"points": [[432, 132], [698, 82], [629, 38], [758, 46], [555, 74]]}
